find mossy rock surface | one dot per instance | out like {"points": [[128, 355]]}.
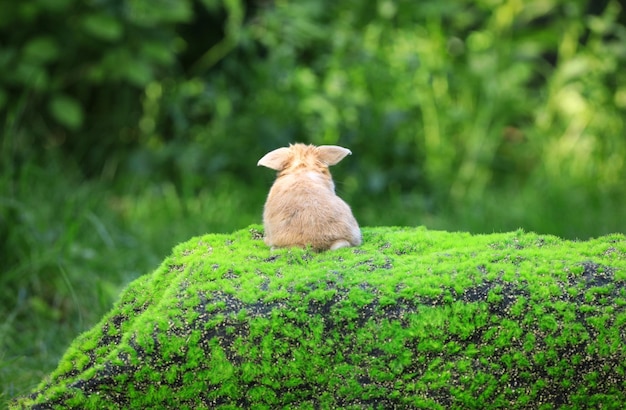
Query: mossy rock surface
{"points": [[411, 319]]}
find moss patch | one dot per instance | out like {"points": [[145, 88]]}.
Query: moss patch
{"points": [[411, 318]]}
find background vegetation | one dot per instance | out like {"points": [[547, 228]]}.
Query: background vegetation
{"points": [[129, 126]]}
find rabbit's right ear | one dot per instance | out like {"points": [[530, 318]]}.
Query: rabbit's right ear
{"points": [[276, 159]]}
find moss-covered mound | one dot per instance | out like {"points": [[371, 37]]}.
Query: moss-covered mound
{"points": [[413, 318]]}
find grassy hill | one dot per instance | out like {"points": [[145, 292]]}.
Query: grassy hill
{"points": [[412, 318]]}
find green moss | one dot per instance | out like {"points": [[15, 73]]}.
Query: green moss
{"points": [[411, 318]]}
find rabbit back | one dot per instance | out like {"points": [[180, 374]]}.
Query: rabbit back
{"points": [[303, 210]]}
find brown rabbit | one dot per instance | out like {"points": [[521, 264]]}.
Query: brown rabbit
{"points": [[302, 208]]}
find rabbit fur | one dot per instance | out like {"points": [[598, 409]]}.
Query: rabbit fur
{"points": [[302, 208]]}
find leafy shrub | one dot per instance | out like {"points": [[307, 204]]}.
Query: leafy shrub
{"points": [[496, 114], [74, 72], [449, 108]]}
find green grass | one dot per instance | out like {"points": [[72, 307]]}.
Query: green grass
{"points": [[224, 321]]}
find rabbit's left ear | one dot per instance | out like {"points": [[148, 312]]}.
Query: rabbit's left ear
{"points": [[332, 154], [276, 159]]}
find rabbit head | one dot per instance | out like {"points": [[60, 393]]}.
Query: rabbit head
{"points": [[301, 158], [302, 208]]}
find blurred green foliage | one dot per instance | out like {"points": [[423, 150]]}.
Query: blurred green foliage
{"points": [[444, 105], [130, 125]]}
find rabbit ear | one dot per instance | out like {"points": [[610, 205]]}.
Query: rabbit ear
{"points": [[276, 159], [332, 154]]}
